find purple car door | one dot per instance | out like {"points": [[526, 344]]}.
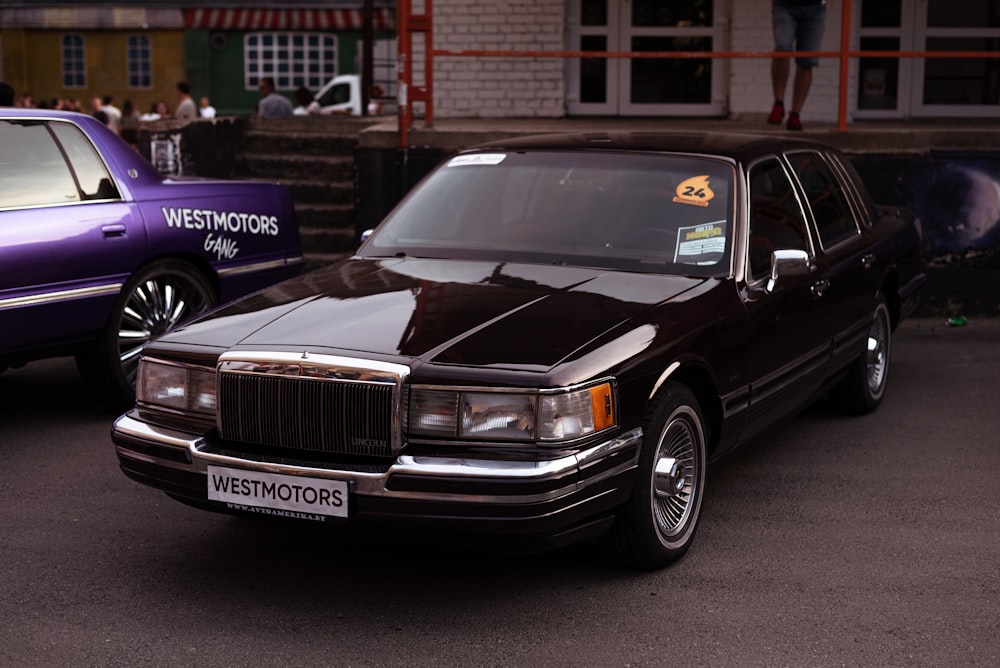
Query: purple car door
{"points": [[67, 239]]}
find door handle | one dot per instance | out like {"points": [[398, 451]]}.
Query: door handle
{"points": [[868, 261], [819, 287], [112, 231]]}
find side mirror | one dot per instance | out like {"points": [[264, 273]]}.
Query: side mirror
{"points": [[367, 233], [787, 263]]}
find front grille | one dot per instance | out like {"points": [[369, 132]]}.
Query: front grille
{"points": [[314, 407]]}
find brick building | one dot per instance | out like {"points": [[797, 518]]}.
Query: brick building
{"points": [[878, 87]]}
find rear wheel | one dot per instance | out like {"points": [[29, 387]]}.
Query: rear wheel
{"points": [[862, 389], [658, 523], [155, 300]]}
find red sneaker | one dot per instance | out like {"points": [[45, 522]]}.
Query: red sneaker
{"points": [[793, 122], [777, 113]]}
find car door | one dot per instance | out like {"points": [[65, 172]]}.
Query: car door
{"points": [[846, 280], [67, 240], [786, 352]]}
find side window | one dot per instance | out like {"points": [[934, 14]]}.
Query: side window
{"points": [[776, 221], [831, 211], [32, 169], [92, 176]]}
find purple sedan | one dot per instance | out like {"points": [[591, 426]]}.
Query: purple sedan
{"points": [[99, 253]]}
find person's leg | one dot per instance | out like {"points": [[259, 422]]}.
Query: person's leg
{"points": [[779, 77], [810, 22], [800, 87], [783, 24]]}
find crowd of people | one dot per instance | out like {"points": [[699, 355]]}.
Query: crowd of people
{"points": [[124, 121]]}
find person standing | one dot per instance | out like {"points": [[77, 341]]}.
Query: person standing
{"points": [[130, 123], [113, 112], [186, 109], [798, 26], [205, 108], [271, 103]]}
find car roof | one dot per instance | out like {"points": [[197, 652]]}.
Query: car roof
{"points": [[737, 146]]}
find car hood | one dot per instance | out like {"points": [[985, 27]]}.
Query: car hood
{"points": [[440, 311]]}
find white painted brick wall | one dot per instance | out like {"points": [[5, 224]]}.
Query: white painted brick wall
{"points": [[498, 87], [479, 87]]}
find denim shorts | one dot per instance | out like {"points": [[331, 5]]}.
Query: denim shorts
{"points": [[798, 28]]}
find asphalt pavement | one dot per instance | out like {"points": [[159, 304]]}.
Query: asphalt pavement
{"points": [[831, 541]]}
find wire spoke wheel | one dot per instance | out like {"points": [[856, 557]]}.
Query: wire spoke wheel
{"points": [[657, 524], [863, 387], [877, 352], [675, 473]]}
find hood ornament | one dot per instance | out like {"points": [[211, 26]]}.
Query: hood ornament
{"points": [[305, 354]]}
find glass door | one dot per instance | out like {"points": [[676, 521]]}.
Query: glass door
{"points": [[647, 86], [953, 86], [943, 87]]}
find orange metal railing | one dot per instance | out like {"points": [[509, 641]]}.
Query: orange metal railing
{"points": [[409, 23]]}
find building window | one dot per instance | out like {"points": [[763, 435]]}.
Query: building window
{"points": [[140, 62], [291, 59], [74, 62]]}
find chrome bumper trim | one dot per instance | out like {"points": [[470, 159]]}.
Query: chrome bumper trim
{"points": [[429, 468]]}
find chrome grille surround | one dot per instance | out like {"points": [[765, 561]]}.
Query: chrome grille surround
{"points": [[311, 403]]}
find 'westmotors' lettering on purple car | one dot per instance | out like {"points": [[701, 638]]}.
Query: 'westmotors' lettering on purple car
{"points": [[101, 254], [226, 221]]}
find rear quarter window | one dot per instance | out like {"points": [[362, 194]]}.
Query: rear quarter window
{"points": [[32, 169], [831, 211]]}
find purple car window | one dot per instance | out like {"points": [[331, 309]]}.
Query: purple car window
{"points": [[32, 167]]}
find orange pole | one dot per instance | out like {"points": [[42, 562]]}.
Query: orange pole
{"points": [[404, 57], [845, 49]]}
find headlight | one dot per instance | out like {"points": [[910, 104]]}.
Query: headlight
{"points": [[511, 416], [176, 386]]}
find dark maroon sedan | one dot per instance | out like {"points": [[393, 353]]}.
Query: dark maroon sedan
{"points": [[550, 338], [100, 254]]}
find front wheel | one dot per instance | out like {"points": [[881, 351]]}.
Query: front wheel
{"points": [[862, 389], [657, 525], [155, 300]]}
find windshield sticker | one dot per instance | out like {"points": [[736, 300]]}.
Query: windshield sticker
{"points": [[694, 191], [701, 244], [477, 159]]}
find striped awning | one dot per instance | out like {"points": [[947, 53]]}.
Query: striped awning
{"points": [[285, 19]]}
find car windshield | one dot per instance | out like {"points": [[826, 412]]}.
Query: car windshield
{"points": [[642, 212]]}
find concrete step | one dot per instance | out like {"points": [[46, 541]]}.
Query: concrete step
{"points": [[299, 143], [311, 191], [305, 167], [337, 216], [327, 240]]}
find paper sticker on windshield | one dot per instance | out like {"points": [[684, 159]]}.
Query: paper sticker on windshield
{"points": [[701, 244], [694, 191], [477, 159]]}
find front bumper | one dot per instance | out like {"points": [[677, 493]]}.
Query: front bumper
{"points": [[472, 495]]}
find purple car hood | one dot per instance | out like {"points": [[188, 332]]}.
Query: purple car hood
{"points": [[451, 312]]}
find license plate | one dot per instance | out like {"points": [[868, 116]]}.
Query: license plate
{"points": [[287, 495]]}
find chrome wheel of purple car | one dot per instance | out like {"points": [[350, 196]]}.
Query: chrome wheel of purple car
{"points": [[156, 299], [155, 306]]}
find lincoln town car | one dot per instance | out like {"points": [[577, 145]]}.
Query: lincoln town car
{"points": [[549, 339]]}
